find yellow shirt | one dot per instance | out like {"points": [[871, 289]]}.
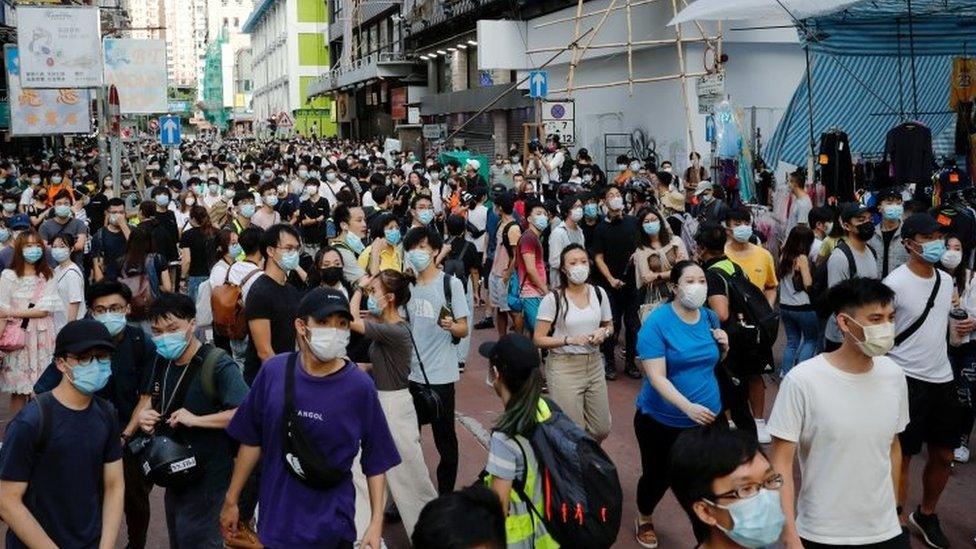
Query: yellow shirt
{"points": [[757, 263], [390, 258]]}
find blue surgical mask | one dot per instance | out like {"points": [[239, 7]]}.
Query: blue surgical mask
{"points": [[171, 345], [4, 235], [289, 261], [60, 254], [932, 251], [235, 250], [591, 210], [540, 222], [651, 228], [419, 260], [757, 521], [392, 236], [425, 216], [89, 377], [893, 212], [162, 200], [355, 243], [247, 210], [373, 306], [742, 233], [114, 322], [32, 254], [62, 211]]}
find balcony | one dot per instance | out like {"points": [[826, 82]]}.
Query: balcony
{"points": [[371, 67]]}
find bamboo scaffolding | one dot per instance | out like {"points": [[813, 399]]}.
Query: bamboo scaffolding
{"points": [[575, 59], [590, 14], [684, 80], [580, 54], [646, 80], [630, 53], [658, 42]]}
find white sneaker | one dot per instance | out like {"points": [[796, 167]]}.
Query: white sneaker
{"points": [[762, 432], [961, 454]]}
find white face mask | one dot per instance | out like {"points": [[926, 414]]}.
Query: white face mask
{"points": [[951, 259], [878, 338], [693, 295], [327, 343], [578, 274], [616, 203], [576, 214]]}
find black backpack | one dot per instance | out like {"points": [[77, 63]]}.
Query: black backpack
{"points": [[454, 266], [818, 290], [583, 502], [752, 325]]}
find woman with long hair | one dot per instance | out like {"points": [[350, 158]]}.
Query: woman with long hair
{"points": [[962, 356], [513, 371], [188, 199], [679, 345], [28, 299], [573, 321], [795, 274], [70, 281], [328, 267], [197, 249], [658, 249], [387, 293], [139, 258]]}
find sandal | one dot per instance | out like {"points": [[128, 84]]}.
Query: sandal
{"points": [[646, 537]]}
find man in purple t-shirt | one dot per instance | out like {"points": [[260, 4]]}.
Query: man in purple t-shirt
{"points": [[339, 412]]}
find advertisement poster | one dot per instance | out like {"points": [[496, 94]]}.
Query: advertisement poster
{"points": [[44, 112], [60, 47], [138, 70]]}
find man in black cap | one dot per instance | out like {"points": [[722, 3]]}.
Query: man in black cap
{"points": [[887, 237], [850, 258], [64, 448], [923, 299]]}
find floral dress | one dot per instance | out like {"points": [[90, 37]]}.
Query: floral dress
{"points": [[22, 368]]}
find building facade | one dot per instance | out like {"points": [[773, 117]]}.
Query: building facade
{"points": [[289, 52], [186, 40], [145, 18]]}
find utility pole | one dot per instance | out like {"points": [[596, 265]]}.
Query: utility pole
{"points": [[115, 126]]}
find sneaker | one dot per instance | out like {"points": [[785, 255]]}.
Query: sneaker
{"points": [[961, 454], [485, 323], [762, 432], [611, 375], [633, 372], [644, 532], [928, 526], [460, 367]]}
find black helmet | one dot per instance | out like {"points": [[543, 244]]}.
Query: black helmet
{"points": [[168, 463]]}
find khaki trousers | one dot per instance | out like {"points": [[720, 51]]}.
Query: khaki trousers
{"points": [[578, 386]]}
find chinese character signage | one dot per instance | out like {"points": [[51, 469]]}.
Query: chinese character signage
{"points": [[60, 47], [138, 69], [43, 112]]}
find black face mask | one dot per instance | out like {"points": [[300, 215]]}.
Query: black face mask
{"points": [[331, 275], [865, 231]]}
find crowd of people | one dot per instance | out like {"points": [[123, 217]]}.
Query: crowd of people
{"points": [[263, 329]]}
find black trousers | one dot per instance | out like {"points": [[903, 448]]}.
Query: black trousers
{"points": [[135, 501], [445, 439], [735, 399], [898, 542], [624, 307]]}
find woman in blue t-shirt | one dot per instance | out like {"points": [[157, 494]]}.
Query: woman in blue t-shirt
{"points": [[679, 346]]}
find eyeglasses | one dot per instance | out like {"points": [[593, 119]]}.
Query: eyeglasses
{"points": [[288, 248], [751, 490], [100, 309], [88, 357]]}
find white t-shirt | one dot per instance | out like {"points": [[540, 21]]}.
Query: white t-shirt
{"points": [[238, 271], [799, 212], [71, 288], [924, 355], [554, 159], [478, 217], [843, 425], [574, 321]]}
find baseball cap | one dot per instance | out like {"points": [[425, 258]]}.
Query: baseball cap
{"points": [[321, 303], [511, 349], [81, 335], [704, 186], [888, 193], [920, 223], [852, 210], [19, 222]]}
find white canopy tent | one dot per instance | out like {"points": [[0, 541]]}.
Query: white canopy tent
{"points": [[720, 10]]}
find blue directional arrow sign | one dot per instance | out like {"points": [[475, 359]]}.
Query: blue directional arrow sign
{"points": [[170, 131], [538, 84]]}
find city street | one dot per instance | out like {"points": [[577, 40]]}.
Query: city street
{"points": [[478, 409]]}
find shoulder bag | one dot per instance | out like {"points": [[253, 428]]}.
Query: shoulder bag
{"points": [[14, 336]]}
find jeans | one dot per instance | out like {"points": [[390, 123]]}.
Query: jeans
{"points": [[193, 285], [624, 306], [193, 517], [802, 330], [445, 439]]}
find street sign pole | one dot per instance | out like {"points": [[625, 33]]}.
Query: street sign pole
{"points": [[116, 126], [100, 105]]}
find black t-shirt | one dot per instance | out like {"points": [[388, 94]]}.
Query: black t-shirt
{"points": [[110, 246], [165, 235], [471, 258], [716, 284], [266, 299], [96, 210], [314, 234], [287, 206], [616, 239], [588, 234], [201, 252], [66, 481]]}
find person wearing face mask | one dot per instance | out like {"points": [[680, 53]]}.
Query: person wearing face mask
{"points": [[422, 212], [923, 299], [614, 244], [166, 231], [530, 263], [820, 221], [74, 477], [59, 181], [566, 232], [850, 257], [176, 402], [352, 230], [312, 216], [213, 192], [385, 251], [270, 305], [266, 215], [886, 240], [574, 320], [801, 203], [435, 321], [624, 173], [64, 222], [708, 207], [962, 351], [70, 281], [336, 406], [10, 201], [848, 493], [679, 346], [657, 251], [725, 483]]}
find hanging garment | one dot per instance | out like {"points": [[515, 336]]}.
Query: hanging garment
{"points": [[964, 127], [962, 85], [836, 167], [727, 135], [909, 148]]}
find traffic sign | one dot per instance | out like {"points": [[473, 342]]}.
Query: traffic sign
{"points": [[559, 118], [538, 84], [285, 120], [710, 89], [153, 125], [170, 131]]}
